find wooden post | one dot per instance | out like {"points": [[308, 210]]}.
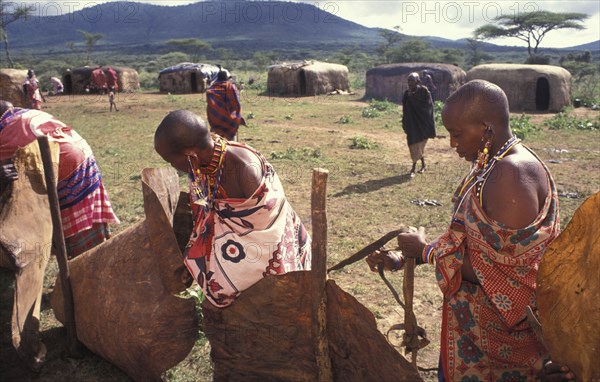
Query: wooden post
{"points": [[319, 273], [410, 321], [58, 240]]}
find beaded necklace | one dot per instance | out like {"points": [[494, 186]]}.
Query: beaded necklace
{"points": [[206, 180], [9, 110], [479, 172]]}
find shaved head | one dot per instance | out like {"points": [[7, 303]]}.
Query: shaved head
{"points": [[182, 129], [413, 76], [480, 101]]}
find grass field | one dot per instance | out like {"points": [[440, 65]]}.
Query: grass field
{"points": [[369, 194]]}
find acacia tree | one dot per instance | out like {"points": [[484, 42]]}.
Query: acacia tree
{"points": [[193, 46], [90, 40], [391, 39], [10, 12], [530, 27]]}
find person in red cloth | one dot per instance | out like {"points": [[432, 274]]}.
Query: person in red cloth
{"points": [[223, 107], [505, 214], [84, 205], [31, 87], [112, 80]]}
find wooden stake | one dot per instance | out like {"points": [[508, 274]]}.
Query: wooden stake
{"points": [[319, 273], [410, 321], [58, 240]]}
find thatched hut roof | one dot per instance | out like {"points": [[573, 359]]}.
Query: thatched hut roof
{"points": [[187, 77], [389, 81], [528, 87], [307, 78], [75, 80], [11, 86]]}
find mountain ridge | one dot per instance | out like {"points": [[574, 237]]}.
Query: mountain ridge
{"points": [[223, 23]]}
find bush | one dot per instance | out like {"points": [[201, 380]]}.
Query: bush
{"points": [[521, 126], [302, 153], [362, 143], [384, 106], [564, 120], [344, 119], [370, 112]]}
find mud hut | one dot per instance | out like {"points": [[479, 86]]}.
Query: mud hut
{"points": [[11, 86], [187, 77], [76, 80], [389, 81], [528, 87], [307, 78]]}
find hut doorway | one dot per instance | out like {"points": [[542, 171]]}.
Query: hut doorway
{"points": [[68, 83], [542, 94], [194, 83], [302, 83]]}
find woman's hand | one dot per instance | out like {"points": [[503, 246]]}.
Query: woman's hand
{"points": [[553, 372], [411, 244], [391, 260]]}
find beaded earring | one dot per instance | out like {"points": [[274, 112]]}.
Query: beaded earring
{"points": [[483, 155]]}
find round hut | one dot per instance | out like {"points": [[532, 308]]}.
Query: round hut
{"points": [[307, 78], [11, 86], [389, 81], [76, 80], [528, 87], [187, 78]]}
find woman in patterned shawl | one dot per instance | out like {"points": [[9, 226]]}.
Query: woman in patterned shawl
{"points": [[244, 227], [505, 214]]}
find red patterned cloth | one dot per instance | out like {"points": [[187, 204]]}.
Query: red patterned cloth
{"points": [[485, 333], [82, 197], [237, 242], [223, 109]]}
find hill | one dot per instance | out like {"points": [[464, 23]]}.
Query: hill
{"points": [[244, 26], [222, 23]]}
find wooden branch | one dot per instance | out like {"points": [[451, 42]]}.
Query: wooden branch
{"points": [[58, 240], [319, 274]]}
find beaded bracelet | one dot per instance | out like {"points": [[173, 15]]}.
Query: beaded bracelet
{"points": [[428, 257]]}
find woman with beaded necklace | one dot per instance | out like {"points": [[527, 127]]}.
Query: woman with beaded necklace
{"points": [[244, 227], [505, 213]]}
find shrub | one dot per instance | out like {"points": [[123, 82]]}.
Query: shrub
{"points": [[370, 112], [293, 153], [564, 120], [344, 119], [362, 143], [521, 126], [384, 106]]}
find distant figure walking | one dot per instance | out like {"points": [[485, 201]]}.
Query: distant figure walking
{"points": [[111, 99], [417, 120], [428, 82], [223, 107], [31, 88]]}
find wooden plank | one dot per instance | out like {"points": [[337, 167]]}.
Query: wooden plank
{"points": [[319, 273], [58, 240]]}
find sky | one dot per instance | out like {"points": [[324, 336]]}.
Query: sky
{"points": [[448, 19]]}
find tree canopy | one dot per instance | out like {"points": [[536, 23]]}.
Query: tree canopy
{"points": [[10, 12], [530, 27]]}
